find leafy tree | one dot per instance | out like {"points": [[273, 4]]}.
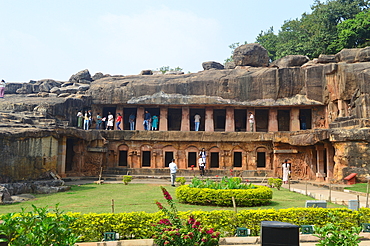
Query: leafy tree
{"points": [[332, 25], [165, 69]]}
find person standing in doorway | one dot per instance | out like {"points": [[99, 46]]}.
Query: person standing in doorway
{"points": [[154, 123], [202, 166], [251, 121], [79, 119], [131, 120], [110, 121], [203, 155], [2, 88], [147, 119], [173, 171], [86, 121], [118, 121], [286, 171], [302, 118], [197, 121], [99, 121]]}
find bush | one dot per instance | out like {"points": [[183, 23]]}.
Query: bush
{"points": [[181, 180], [127, 179], [38, 228], [225, 183], [334, 235], [258, 196], [275, 183]]}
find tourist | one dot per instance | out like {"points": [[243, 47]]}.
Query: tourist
{"points": [[154, 123], [203, 155], [90, 117], [202, 166], [197, 121], [286, 171], [147, 120], [99, 121], [86, 121], [2, 88], [131, 120], [118, 121], [302, 118], [79, 119], [173, 170], [251, 121], [110, 122]]}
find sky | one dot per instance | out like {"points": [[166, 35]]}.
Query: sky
{"points": [[53, 39]]}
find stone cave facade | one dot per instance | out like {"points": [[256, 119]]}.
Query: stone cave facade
{"points": [[329, 94]]}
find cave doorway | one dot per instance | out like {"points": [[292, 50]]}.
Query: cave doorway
{"points": [[219, 119], [283, 120], [174, 118], [262, 120]]}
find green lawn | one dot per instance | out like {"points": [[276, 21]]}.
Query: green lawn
{"points": [[134, 197], [361, 187]]}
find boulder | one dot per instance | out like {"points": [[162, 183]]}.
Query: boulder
{"points": [[26, 89], [326, 59], [83, 77], [67, 84], [230, 65], [4, 195], [47, 84], [69, 89], [290, 61], [35, 88], [83, 87], [97, 76], [212, 64], [55, 90], [43, 94], [146, 72], [11, 88], [64, 94], [346, 55], [363, 55], [251, 55]]}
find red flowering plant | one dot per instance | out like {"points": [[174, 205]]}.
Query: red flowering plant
{"points": [[177, 232]]}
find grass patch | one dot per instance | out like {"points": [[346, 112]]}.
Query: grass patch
{"points": [[360, 187], [93, 198]]}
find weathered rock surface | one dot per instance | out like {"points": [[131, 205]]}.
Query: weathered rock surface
{"points": [[251, 55], [82, 77], [363, 55], [290, 61], [46, 84], [346, 55], [4, 195], [212, 65], [326, 59], [230, 65]]}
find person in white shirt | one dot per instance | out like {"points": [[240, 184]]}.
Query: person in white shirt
{"points": [[251, 121], [201, 165], [197, 121], [173, 170], [203, 155]]}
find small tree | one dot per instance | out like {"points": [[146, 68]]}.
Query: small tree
{"points": [[127, 179]]}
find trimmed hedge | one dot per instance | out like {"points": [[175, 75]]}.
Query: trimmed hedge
{"points": [[258, 196], [92, 226]]}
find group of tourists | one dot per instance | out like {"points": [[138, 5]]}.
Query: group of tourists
{"points": [[150, 123]]}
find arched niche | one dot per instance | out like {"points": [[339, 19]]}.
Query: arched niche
{"points": [[169, 153], [192, 156], [263, 158], [214, 157], [238, 158]]}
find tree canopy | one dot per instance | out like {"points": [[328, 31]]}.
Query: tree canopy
{"points": [[330, 27]]}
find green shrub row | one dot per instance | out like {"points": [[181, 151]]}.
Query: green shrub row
{"points": [[91, 227], [258, 196]]}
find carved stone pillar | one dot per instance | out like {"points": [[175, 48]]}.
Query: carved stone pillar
{"points": [[329, 160], [140, 119], [230, 122], [273, 122], [185, 121], [62, 153], [163, 126], [342, 108], [209, 125], [320, 174], [294, 119]]}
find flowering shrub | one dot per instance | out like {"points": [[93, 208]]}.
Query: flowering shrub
{"points": [[180, 232]]}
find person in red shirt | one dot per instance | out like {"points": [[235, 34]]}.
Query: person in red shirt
{"points": [[118, 121]]}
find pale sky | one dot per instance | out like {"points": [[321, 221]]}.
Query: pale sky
{"points": [[53, 39]]}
